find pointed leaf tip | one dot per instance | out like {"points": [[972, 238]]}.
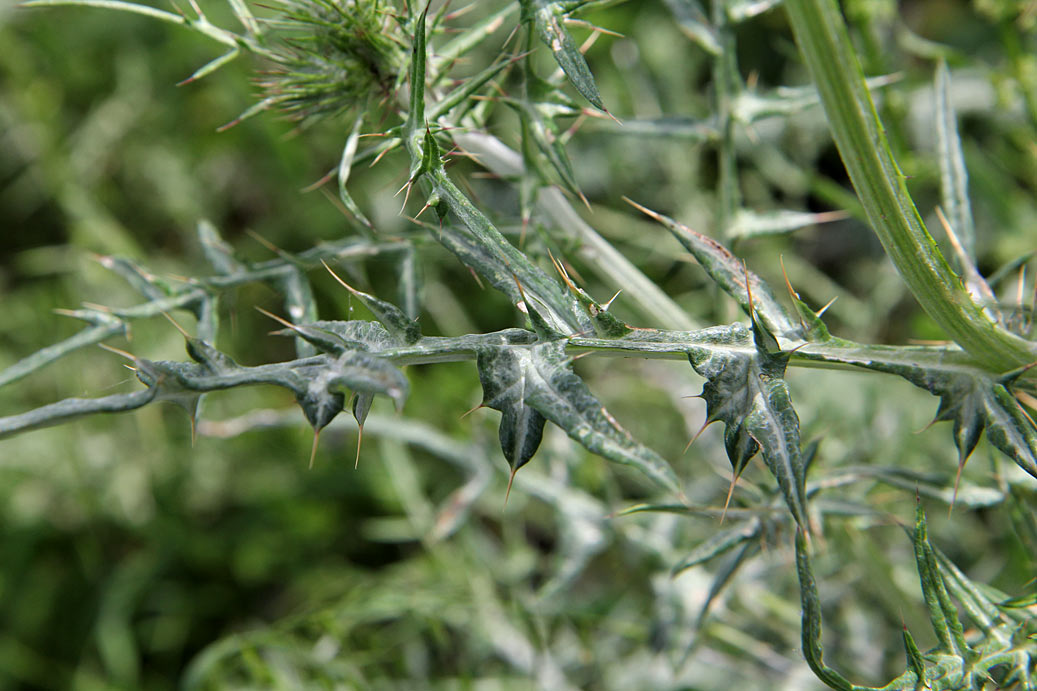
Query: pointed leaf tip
{"points": [[547, 17]]}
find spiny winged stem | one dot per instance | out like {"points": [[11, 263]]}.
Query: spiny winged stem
{"points": [[501, 262]]}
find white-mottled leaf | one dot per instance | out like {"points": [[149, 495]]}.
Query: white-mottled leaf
{"points": [[542, 375]]}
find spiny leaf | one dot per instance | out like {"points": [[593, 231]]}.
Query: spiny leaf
{"points": [[211, 66], [503, 378], [915, 661], [932, 584], [318, 404], [540, 133], [813, 328], [542, 375], [749, 394], [336, 337], [366, 373], [956, 664], [605, 324], [319, 384], [731, 275], [1010, 429], [144, 282], [362, 402], [548, 17], [484, 249], [981, 605], [398, 323], [976, 402], [463, 93]]}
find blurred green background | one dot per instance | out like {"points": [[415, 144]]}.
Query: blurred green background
{"points": [[131, 558]]}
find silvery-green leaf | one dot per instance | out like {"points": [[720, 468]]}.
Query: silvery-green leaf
{"points": [[976, 401], [694, 24], [345, 165], [548, 18], [750, 224], [503, 380], [391, 316], [301, 306], [718, 543], [747, 391], [542, 376], [731, 275], [337, 337], [218, 253], [954, 178], [363, 372]]}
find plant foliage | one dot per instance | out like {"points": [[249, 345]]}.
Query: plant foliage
{"points": [[394, 68]]}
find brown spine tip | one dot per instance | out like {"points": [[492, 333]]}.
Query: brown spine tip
{"points": [[313, 449]]}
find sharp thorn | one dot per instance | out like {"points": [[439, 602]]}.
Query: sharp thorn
{"points": [[698, 434], [277, 319], [359, 441], [471, 410], [730, 492], [825, 308], [313, 449], [182, 330], [511, 479], [117, 351], [345, 285]]}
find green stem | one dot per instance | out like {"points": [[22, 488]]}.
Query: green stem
{"points": [[726, 86], [825, 46]]}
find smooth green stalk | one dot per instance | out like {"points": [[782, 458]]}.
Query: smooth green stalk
{"points": [[826, 48]]}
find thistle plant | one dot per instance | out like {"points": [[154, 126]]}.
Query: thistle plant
{"points": [[402, 82]]}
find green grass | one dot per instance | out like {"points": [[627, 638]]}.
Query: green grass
{"points": [[693, 162]]}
